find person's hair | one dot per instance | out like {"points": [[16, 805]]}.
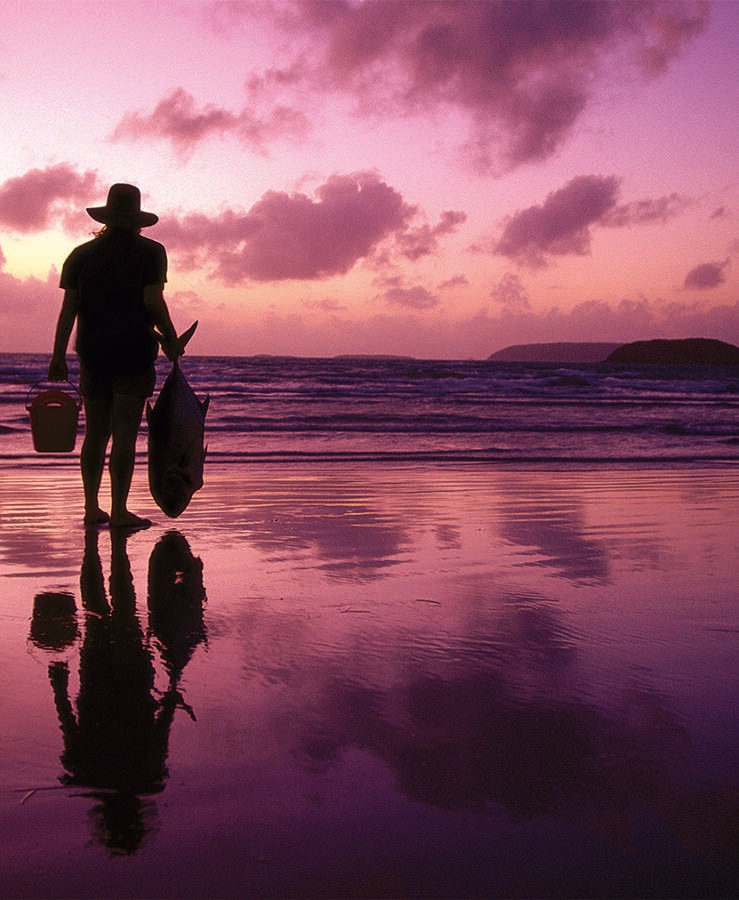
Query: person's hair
{"points": [[108, 229]]}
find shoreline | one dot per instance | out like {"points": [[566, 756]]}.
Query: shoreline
{"points": [[54, 461], [50, 491]]}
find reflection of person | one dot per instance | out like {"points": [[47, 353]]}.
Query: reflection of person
{"points": [[114, 290], [116, 742]]}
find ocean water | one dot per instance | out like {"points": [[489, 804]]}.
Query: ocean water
{"points": [[285, 409]]}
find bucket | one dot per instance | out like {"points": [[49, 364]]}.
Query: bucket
{"points": [[54, 414]]}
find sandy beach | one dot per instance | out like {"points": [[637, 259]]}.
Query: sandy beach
{"points": [[373, 680]]}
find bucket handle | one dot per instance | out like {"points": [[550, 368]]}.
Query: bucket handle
{"points": [[78, 401]]}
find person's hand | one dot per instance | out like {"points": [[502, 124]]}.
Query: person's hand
{"points": [[58, 370]]}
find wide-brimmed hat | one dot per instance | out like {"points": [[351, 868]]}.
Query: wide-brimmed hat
{"points": [[123, 209]]}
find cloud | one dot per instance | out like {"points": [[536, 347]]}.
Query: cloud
{"points": [[422, 241], [293, 236], [405, 331], [41, 197], [522, 71], [561, 224], [176, 119], [189, 304], [454, 282], [395, 292], [510, 293], [197, 239], [28, 312], [643, 212], [327, 305], [706, 275], [416, 297]]}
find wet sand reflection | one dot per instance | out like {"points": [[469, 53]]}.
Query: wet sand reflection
{"points": [[415, 685]]}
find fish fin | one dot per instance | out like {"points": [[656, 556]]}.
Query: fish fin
{"points": [[204, 404], [183, 338], [186, 335], [148, 413]]}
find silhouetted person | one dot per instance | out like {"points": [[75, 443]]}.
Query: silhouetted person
{"points": [[114, 289]]}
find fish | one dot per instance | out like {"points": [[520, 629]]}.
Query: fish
{"points": [[176, 425]]}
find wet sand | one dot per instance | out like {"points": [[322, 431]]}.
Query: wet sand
{"points": [[366, 680]]}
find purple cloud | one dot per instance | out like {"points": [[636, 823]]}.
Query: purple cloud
{"points": [[196, 238], [422, 241], [31, 202], [642, 212], [176, 118], [510, 294], [523, 71], [416, 297], [293, 236], [561, 225], [454, 282], [706, 275]]}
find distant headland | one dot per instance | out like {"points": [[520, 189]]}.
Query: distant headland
{"points": [[561, 352], [686, 351]]}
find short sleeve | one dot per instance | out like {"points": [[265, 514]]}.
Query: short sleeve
{"points": [[156, 270], [70, 272]]}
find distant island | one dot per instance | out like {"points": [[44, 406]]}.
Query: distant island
{"points": [[372, 356], [562, 352], [688, 351], [684, 351]]}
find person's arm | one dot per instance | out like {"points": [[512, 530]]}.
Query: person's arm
{"points": [[156, 307], [58, 366]]}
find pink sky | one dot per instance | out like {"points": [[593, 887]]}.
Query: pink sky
{"points": [[432, 179]]}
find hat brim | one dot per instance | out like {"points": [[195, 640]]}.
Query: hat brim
{"points": [[140, 220]]}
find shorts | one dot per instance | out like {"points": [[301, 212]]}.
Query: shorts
{"points": [[101, 385]]}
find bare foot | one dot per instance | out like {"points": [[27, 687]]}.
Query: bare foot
{"points": [[96, 516], [129, 520]]}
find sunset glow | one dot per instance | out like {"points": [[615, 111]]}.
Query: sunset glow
{"points": [[420, 178]]}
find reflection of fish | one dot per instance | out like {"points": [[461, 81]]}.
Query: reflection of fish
{"points": [[176, 452], [176, 597]]}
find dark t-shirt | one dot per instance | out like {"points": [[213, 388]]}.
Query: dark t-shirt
{"points": [[115, 335]]}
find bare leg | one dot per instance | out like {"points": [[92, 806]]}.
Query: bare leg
{"points": [[127, 412], [92, 458]]}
